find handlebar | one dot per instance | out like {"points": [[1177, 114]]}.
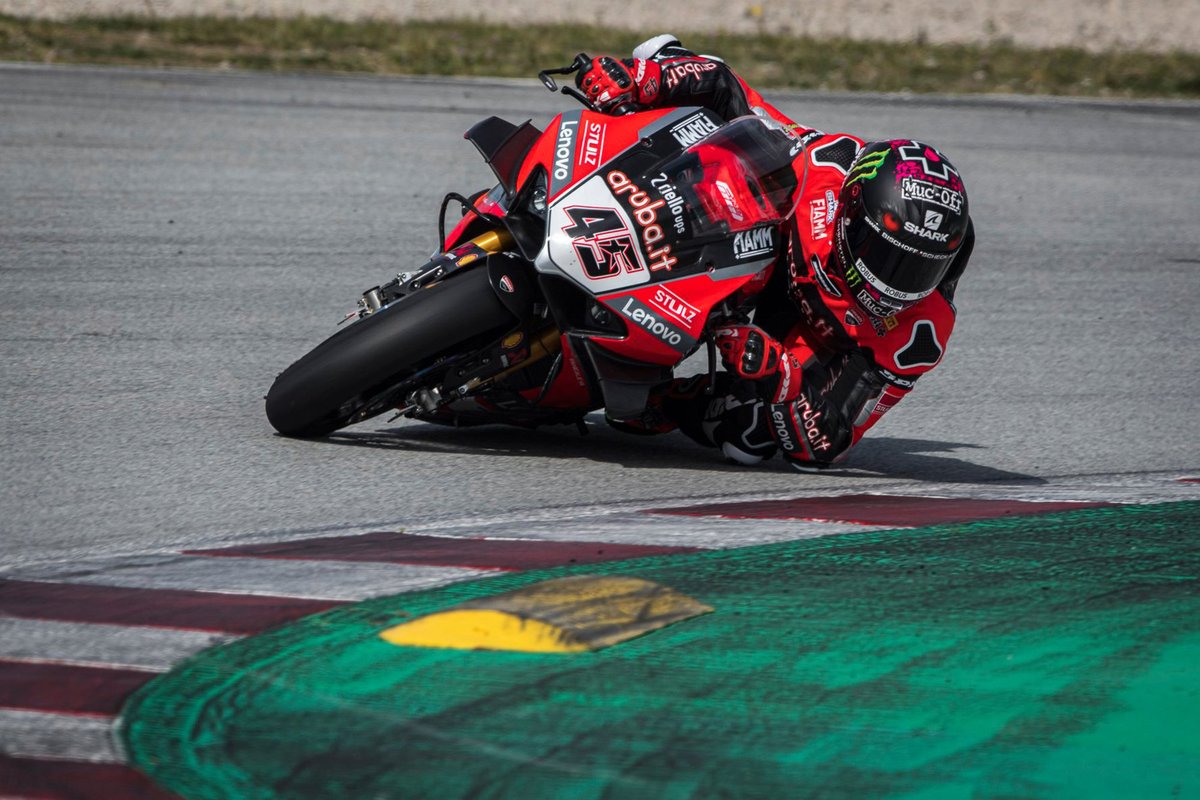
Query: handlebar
{"points": [[583, 61], [628, 107]]}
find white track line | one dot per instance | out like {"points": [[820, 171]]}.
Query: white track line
{"points": [[38, 734], [653, 529], [322, 580], [89, 644]]}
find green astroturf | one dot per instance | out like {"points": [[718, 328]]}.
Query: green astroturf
{"points": [[1052, 656]]}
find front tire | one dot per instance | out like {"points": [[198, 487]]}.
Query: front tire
{"points": [[336, 382]]}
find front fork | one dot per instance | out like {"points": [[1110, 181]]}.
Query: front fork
{"points": [[515, 352], [437, 267]]}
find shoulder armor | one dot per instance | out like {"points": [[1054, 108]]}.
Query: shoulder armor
{"points": [[918, 343], [838, 153], [922, 350]]}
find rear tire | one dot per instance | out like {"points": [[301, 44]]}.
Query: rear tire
{"points": [[327, 388]]}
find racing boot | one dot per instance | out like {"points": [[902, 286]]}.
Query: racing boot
{"points": [[733, 418]]}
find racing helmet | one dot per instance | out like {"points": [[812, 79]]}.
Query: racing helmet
{"points": [[901, 219]]}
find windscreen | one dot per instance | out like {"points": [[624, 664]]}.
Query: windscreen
{"points": [[740, 176]]}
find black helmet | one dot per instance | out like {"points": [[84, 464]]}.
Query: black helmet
{"points": [[901, 218]]}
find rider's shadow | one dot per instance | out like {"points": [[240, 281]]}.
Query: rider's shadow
{"points": [[601, 444], [913, 459], [924, 460]]}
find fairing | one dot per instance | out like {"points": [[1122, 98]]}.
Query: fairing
{"points": [[706, 221]]}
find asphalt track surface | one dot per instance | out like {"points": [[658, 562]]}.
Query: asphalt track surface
{"points": [[169, 241]]}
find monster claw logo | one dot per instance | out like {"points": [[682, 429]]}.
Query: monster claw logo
{"points": [[866, 167]]}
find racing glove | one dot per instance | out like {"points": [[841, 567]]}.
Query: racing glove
{"points": [[609, 83], [751, 353]]}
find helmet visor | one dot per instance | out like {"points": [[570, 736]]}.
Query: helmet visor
{"points": [[899, 273]]}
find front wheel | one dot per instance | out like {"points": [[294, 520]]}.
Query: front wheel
{"points": [[338, 381]]}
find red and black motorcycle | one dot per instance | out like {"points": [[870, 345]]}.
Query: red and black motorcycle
{"points": [[609, 249]]}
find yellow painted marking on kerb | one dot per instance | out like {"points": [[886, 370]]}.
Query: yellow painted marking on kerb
{"points": [[565, 615], [482, 629]]}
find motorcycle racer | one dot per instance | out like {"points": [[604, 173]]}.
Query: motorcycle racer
{"points": [[862, 306]]}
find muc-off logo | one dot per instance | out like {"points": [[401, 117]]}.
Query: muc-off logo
{"points": [[564, 150], [754, 242], [872, 305], [915, 189], [692, 129]]}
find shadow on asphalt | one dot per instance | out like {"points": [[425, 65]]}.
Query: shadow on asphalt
{"points": [[601, 444], [913, 459]]}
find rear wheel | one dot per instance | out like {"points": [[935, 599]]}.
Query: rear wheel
{"points": [[342, 379]]}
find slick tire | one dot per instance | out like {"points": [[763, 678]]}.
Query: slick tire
{"points": [[325, 389]]}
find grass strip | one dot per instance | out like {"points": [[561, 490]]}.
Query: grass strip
{"points": [[473, 48]]}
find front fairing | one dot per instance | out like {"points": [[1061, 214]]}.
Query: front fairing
{"points": [[660, 236]]}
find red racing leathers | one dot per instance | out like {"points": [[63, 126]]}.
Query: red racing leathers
{"points": [[852, 367]]}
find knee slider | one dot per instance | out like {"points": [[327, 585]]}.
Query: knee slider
{"points": [[739, 456], [744, 433]]}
